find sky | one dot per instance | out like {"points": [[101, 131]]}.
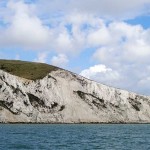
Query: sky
{"points": [[103, 40]]}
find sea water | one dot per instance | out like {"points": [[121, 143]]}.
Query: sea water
{"points": [[75, 136]]}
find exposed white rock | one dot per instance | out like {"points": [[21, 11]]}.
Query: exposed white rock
{"points": [[64, 97]]}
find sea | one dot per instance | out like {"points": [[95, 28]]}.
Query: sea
{"points": [[75, 136]]}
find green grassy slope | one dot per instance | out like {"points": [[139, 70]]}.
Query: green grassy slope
{"points": [[28, 70]]}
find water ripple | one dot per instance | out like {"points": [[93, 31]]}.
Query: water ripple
{"points": [[75, 136]]}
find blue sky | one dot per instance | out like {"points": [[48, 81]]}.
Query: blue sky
{"points": [[104, 41]]}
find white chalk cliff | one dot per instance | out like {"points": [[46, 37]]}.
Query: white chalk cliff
{"points": [[65, 97]]}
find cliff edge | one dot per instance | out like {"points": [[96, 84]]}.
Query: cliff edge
{"points": [[40, 93]]}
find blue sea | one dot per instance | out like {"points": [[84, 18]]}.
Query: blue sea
{"points": [[75, 136]]}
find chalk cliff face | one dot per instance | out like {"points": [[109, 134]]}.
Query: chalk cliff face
{"points": [[64, 97]]}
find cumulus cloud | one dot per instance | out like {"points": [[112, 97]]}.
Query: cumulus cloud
{"points": [[24, 29], [129, 44], [61, 60], [102, 74], [73, 32]]}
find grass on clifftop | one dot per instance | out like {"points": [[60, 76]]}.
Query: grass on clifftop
{"points": [[28, 70]]}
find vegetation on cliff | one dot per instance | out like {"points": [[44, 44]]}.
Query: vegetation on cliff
{"points": [[28, 70]]}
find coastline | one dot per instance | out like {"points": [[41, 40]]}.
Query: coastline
{"points": [[100, 123]]}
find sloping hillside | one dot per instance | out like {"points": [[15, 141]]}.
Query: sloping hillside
{"points": [[59, 96], [28, 70]]}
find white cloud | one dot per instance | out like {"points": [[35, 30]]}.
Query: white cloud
{"points": [[24, 28], [129, 44], [61, 60], [100, 36], [101, 74], [42, 57], [103, 8], [92, 71]]}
